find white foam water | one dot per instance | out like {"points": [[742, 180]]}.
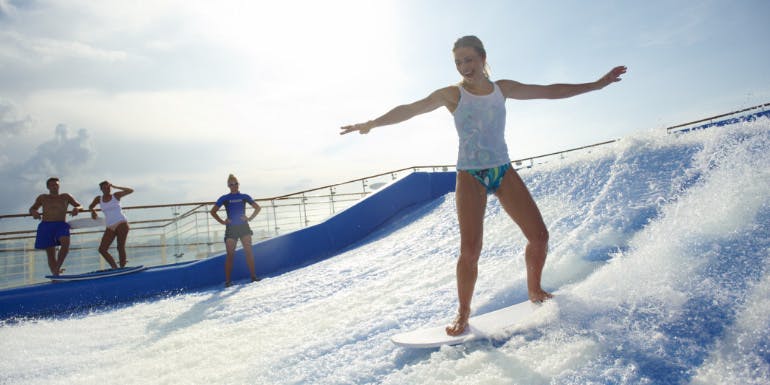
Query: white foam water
{"points": [[660, 249]]}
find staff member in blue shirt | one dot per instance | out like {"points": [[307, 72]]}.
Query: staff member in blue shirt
{"points": [[237, 225]]}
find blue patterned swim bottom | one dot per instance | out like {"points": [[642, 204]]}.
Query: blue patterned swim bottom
{"points": [[490, 178]]}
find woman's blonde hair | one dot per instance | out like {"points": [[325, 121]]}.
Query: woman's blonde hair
{"points": [[231, 178]]}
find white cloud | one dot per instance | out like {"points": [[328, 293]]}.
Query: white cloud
{"points": [[11, 121], [33, 50], [7, 9], [63, 156]]}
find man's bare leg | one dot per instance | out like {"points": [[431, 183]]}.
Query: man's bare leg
{"points": [[64, 249], [53, 265]]}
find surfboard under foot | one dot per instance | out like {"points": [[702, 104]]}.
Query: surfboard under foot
{"points": [[480, 327], [97, 274]]}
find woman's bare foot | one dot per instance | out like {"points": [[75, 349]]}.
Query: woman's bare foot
{"points": [[539, 296], [459, 325]]}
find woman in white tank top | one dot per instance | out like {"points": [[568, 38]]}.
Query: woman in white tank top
{"points": [[116, 222], [478, 106]]}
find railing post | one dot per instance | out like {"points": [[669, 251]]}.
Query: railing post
{"points": [[209, 238], [275, 216], [331, 200], [267, 220], [163, 247], [300, 223], [29, 248], [175, 213], [196, 233]]}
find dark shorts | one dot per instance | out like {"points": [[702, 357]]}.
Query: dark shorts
{"points": [[237, 231], [49, 233]]}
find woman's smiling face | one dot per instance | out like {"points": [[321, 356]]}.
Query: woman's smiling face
{"points": [[469, 63]]}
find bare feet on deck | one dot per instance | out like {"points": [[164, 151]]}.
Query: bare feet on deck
{"points": [[459, 325]]}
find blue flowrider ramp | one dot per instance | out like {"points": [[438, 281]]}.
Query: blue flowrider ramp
{"points": [[273, 256]]}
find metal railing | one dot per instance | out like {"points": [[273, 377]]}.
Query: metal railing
{"points": [[181, 232], [743, 115]]}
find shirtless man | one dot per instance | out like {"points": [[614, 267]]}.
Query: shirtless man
{"points": [[53, 230]]}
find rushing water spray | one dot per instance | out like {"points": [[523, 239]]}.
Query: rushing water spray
{"points": [[660, 250]]}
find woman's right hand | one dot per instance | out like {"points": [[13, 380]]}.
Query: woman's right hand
{"points": [[362, 128]]}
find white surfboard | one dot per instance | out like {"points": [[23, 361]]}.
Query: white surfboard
{"points": [[482, 326], [97, 274], [80, 223]]}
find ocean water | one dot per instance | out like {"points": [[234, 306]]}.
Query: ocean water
{"points": [[659, 256]]}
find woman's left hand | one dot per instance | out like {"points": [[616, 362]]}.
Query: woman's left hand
{"points": [[613, 76]]}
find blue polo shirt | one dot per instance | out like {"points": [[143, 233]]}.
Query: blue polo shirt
{"points": [[235, 204]]}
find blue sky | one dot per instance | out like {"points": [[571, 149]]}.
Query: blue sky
{"points": [[170, 96]]}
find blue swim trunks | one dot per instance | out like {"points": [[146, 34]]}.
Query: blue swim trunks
{"points": [[48, 234], [490, 178]]}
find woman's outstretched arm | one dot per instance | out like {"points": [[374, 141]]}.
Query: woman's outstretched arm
{"points": [[441, 97], [515, 90]]}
